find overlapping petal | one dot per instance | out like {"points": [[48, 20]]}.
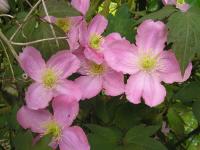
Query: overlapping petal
{"points": [[81, 5]]}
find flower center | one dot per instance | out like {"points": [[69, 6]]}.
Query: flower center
{"points": [[96, 69], [147, 62], [53, 129], [49, 78], [63, 23], [95, 41], [181, 1]]}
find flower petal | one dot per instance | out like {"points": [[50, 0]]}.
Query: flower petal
{"points": [[122, 57], [94, 56], [32, 62], [33, 119], [110, 39], [64, 63], [134, 88], [38, 97], [81, 5], [97, 25], [183, 7], [65, 110], [74, 138], [153, 93], [113, 83], [90, 86], [151, 36], [169, 68], [169, 2], [68, 88]]}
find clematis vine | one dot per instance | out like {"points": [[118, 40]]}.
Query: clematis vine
{"points": [[98, 77], [180, 4], [58, 125], [50, 78], [71, 25], [147, 63], [92, 41]]}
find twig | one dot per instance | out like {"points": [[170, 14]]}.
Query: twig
{"points": [[49, 20], [6, 15], [28, 3], [11, 68], [38, 41], [8, 43], [26, 18]]}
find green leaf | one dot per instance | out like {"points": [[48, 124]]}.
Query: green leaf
{"points": [[139, 137], [190, 92], [159, 15], [103, 137], [59, 8], [122, 22], [175, 121], [184, 33], [196, 110], [23, 141]]}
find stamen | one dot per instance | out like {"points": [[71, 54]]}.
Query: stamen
{"points": [[96, 69], [63, 23], [181, 1], [95, 41], [53, 129], [147, 62], [49, 78]]}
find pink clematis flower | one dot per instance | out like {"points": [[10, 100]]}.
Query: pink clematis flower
{"points": [[147, 63], [93, 42], [58, 125], [180, 4], [96, 77], [71, 25], [50, 77]]}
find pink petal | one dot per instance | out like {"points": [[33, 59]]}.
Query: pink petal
{"points": [[134, 88], [90, 86], [81, 5], [65, 110], [83, 33], [37, 96], [183, 7], [169, 2], [50, 19], [33, 119], [32, 62], [169, 68], [64, 63], [74, 138], [90, 54], [113, 83], [151, 36], [122, 57], [73, 37], [69, 88], [97, 25], [153, 93], [110, 39]]}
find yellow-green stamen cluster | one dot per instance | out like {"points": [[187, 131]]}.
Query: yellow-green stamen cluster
{"points": [[49, 78], [147, 63], [63, 23], [96, 69], [53, 129], [95, 41], [180, 1]]}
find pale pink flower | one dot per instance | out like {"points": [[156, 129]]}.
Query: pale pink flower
{"points": [[98, 77], [71, 25], [147, 63], [92, 40], [58, 125], [50, 78], [180, 4]]}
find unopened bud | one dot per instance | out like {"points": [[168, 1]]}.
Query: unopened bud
{"points": [[4, 6]]}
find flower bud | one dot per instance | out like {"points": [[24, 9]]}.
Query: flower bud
{"points": [[4, 6]]}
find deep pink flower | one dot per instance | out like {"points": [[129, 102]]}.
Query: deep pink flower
{"points": [[97, 77], [50, 78], [58, 125], [180, 4], [92, 40], [147, 63]]}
